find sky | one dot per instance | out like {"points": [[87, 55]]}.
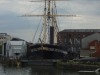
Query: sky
{"points": [[11, 22]]}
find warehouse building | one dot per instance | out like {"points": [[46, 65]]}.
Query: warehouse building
{"points": [[15, 49], [80, 36]]}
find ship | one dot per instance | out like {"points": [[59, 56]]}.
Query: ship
{"points": [[47, 50]]}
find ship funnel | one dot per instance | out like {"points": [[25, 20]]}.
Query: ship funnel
{"points": [[51, 35]]}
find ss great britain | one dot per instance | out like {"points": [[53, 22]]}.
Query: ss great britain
{"points": [[46, 51]]}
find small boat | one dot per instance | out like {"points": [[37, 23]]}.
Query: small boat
{"points": [[90, 71]]}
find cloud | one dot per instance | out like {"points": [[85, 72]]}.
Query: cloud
{"points": [[23, 27], [26, 34], [87, 7]]}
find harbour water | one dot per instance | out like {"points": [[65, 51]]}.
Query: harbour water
{"points": [[38, 70]]}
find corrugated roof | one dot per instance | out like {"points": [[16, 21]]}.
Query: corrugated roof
{"points": [[16, 42], [80, 30]]}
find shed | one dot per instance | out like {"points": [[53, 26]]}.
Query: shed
{"points": [[90, 38], [16, 49]]}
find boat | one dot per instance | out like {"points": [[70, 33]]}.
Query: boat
{"points": [[90, 71], [46, 48]]}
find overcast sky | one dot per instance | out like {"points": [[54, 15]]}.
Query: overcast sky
{"points": [[88, 12]]}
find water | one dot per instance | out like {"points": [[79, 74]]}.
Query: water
{"points": [[38, 70]]}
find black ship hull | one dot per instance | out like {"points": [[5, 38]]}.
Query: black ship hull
{"points": [[47, 51]]}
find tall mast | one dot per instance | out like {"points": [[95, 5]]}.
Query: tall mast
{"points": [[51, 19], [50, 27], [44, 37]]}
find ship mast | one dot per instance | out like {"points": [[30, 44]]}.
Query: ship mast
{"points": [[45, 24], [49, 22], [50, 27]]}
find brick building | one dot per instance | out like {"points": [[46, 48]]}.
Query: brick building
{"points": [[96, 53], [90, 41], [75, 36]]}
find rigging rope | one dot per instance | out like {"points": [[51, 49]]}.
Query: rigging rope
{"points": [[36, 31]]}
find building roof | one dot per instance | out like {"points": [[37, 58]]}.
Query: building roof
{"points": [[80, 30], [3, 33], [16, 42]]}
